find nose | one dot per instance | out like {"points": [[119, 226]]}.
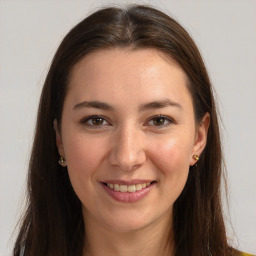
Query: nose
{"points": [[127, 152]]}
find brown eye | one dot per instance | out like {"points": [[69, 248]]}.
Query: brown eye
{"points": [[159, 121], [97, 121]]}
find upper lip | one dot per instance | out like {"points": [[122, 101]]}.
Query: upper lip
{"points": [[126, 182]]}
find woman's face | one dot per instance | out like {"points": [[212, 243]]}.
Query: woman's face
{"points": [[128, 135]]}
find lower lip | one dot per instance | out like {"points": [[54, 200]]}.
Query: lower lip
{"points": [[128, 197]]}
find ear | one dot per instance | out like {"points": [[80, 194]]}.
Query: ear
{"points": [[58, 138], [200, 137]]}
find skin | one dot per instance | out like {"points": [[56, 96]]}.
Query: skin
{"points": [[129, 144]]}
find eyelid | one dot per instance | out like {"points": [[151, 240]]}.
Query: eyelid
{"points": [[168, 118], [86, 119]]}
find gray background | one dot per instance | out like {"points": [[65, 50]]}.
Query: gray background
{"points": [[225, 32]]}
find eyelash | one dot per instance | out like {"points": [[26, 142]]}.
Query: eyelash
{"points": [[90, 118], [165, 118]]}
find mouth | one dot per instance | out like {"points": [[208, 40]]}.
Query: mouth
{"points": [[128, 192], [128, 188]]}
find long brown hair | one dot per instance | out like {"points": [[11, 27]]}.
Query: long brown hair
{"points": [[53, 223]]}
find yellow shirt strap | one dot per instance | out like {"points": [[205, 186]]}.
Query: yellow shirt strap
{"points": [[246, 254]]}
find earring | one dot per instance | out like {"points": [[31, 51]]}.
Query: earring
{"points": [[196, 157], [62, 162]]}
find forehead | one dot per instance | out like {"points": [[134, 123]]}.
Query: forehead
{"points": [[122, 75]]}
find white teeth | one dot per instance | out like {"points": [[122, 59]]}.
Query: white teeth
{"points": [[123, 188], [138, 186], [128, 188], [131, 188]]}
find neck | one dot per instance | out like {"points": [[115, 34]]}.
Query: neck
{"points": [[153, 240]]}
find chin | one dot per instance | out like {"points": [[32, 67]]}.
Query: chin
{"points": [[127, 225], [130, 221]]}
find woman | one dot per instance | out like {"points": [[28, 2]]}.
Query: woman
{"points": [[127, 155]]}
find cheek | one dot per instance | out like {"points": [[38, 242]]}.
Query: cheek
{"points": [[83, 158], [171, 157], [171, 153], [84, 153]]}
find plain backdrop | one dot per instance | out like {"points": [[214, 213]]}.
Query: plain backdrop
{"points": [[225, 31]]}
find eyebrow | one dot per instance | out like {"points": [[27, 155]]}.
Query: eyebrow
{"points": [[147, 106], [93, 104], [159, 104]]}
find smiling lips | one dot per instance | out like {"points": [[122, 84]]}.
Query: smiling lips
{"points": [[128, 192]]}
